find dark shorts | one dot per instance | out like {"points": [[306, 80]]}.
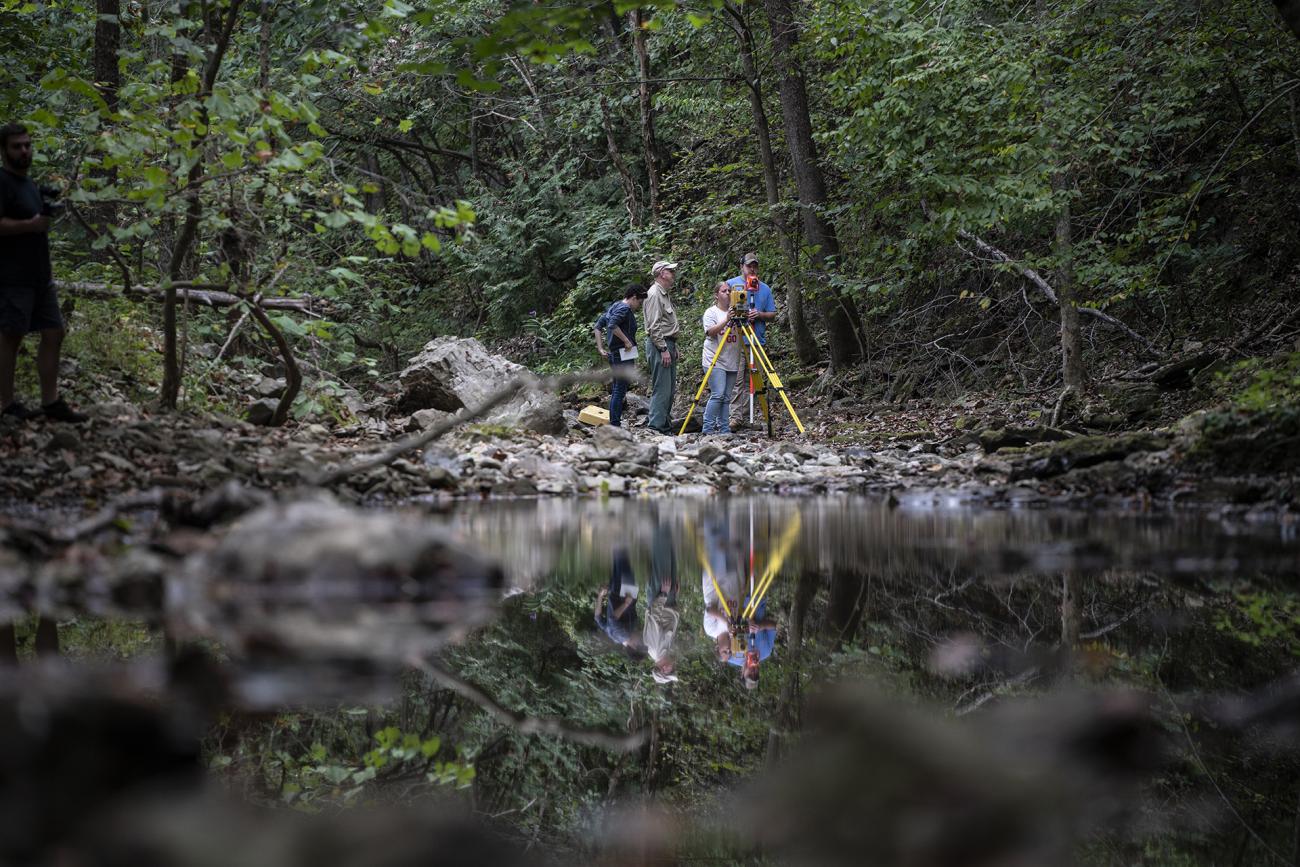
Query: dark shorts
{"points": [[24, 309]]}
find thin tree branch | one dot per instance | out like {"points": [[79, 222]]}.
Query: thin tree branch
{"points": [[292, 375], [127, 282], [1292, 85], [1046, 288], [527, 725]]}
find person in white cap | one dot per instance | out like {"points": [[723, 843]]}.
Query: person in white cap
{"points": [[661, 344]]}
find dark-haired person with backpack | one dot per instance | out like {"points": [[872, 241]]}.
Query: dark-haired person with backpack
{"points": [[27, 299], [619, 345]]}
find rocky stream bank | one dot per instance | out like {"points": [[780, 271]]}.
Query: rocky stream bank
{"points": [[980, 453]]}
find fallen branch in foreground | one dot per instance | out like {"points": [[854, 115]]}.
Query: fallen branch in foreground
{"points": [[1048, 292], [64, 534], [205, 294], [527, 725], [468, 414]]}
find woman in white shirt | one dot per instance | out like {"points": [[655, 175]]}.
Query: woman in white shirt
{"points": [[723, 378]]}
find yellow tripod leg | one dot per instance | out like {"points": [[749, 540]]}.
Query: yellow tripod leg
{"points": [[766, 363], [722, 343]]}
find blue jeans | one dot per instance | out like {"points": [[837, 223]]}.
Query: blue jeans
{"points": [[721, 383], [618, 390]]}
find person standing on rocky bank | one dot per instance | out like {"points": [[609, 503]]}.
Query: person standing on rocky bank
{"points": [[661, 345], [27, 299], [760, 310], [619, 345]]}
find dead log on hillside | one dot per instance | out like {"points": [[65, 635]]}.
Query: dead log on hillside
{"points": [[206, 294]]}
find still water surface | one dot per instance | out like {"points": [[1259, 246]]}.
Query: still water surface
{"points": [[1129, 671]]}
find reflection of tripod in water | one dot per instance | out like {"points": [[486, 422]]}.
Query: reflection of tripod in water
{"points": [[761, 371], [745, 609]]}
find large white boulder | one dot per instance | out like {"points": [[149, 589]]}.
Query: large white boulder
{"points": [[455, 372]]}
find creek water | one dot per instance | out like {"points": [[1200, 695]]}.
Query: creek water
{"points": [[1135, 661]]}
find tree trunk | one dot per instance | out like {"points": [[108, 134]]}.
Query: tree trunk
{"points": [[629, 186], [788, 708], [108, 80], [648, 142], [108, 35], [842, 322], [805, 345], [1074, 374], [184, 244], [375, 201], [1073, 370], [1071, 616]]}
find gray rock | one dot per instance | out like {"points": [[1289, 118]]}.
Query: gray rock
{"points": [[451, 373], [268, 387], [674, 469], [62, 438], [708, 453], [423, 419], [608, 436], [542, 470], [261, 411], [618, 445], [626, 468], [324, 578]]}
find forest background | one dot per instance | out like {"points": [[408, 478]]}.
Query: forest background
{"points": [[946, 197], [950, 199]]}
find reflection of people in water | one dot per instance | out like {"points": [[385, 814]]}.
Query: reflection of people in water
{"points": [[759, 645], [45, 642], [662, 617], [761, 632], [615, 608]]}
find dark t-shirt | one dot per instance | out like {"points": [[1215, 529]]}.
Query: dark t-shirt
{"points": [[621, 315], [24, 259]]}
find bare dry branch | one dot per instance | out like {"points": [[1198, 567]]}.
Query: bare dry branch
{"points": [[1048, 292], [468, 414], [528, 725], [207, 294]]}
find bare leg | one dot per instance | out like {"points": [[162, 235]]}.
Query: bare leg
{"points": [[47, 364], [9, 344]]}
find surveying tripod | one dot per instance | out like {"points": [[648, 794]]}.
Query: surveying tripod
{"points": [[760, 369]]}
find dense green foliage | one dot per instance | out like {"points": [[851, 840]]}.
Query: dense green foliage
{"points": [[454, 168]]}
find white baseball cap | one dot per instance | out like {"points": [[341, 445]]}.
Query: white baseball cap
{"points": [[661, 266]]}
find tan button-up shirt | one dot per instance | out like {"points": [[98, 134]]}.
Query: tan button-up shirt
{"points": [[660, 316]]}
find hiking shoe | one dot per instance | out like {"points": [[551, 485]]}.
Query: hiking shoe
{"points": [[60, 411], [18, 411]]}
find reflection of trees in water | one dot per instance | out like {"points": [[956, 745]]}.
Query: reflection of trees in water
{"points": [[960, 614], [969, 611]]}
